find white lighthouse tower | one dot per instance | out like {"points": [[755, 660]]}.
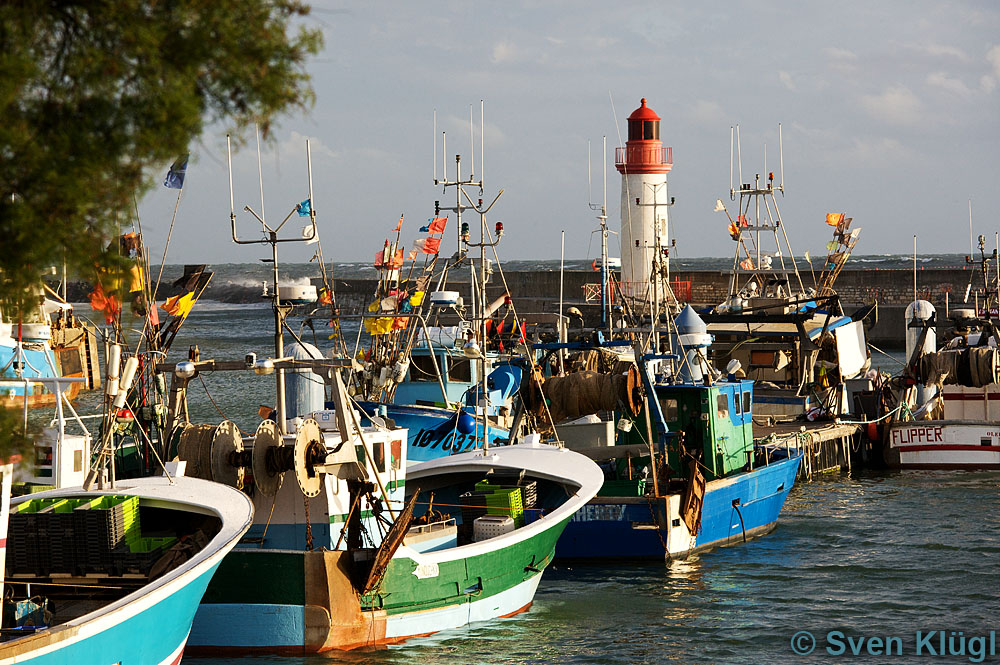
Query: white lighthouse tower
{"points": [[643, 163]]}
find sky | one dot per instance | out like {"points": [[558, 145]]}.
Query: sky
{"points": [[889, 112]]}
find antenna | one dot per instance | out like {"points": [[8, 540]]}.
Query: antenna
{"points": [[260, 174], [444, 155], [604, 208], [312, 202], [971, 251], [590, 191], [739, 155], [732, 140], [482, 143], [232, 204], [781, 163], [434, 137], [472, 144]]}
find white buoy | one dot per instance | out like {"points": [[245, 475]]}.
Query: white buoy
{"points": [[920, 311], [304, 389], [113, 370], [128, 375]]}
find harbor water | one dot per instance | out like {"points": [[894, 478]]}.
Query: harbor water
{"points": [[870, 556]]}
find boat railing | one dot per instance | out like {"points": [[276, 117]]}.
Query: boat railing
{"points": [[56, 384]]}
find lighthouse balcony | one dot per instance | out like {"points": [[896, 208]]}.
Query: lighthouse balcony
{"points": [[644, 159]]}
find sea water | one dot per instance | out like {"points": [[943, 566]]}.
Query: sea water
{"points": [[858, 562], [866, 555]]}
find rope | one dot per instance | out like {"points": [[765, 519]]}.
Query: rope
{"points": [[898, 409], [274, 500], [892, 358], [211, 399], [659, 532], [309, 530]]}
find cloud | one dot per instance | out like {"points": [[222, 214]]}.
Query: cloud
{"points": [[993, 57], [841, 60], [709, 114], [989, 81], [880, 152], [949, 84], [504, 52], [896, 105], [941, 51], [835, 53], [786, 80]]}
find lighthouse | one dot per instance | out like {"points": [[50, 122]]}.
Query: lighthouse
{"points": [[644, 164]]}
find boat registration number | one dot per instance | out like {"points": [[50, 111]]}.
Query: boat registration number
{"points": [[432, 438]]}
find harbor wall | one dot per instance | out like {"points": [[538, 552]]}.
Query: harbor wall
{"points": [[538, 291]]}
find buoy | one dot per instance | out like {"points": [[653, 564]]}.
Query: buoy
{"points": [[466, 423]]}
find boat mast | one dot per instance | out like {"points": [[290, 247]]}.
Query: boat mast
{"points": [[271, 237], [480, 308], [603, 220]]}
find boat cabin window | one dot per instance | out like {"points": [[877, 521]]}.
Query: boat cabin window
{"points": [[460, 369], [722, 405], [359, 451], [378, 453], [746, 402], [422, 368], [736, 403], [669, 407]]}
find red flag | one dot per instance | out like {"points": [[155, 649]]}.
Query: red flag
{"points": [[437, 225], [427, 245], [397, 259], [107, 303], [742, 219], [412, 255], [399, 224]]}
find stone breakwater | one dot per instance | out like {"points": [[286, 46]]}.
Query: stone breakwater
{"points": [[538, 291]]}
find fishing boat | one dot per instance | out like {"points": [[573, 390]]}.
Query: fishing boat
{"points": [[352, 548], [46, 342], [943, 411], [683, 472], [361, 550], [795, 340], [113, 573]]}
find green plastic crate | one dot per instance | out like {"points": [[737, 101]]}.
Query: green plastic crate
{"points": [[506, 502], [144, 545], [34, 506]]}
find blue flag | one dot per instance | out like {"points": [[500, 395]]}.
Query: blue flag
{"points": [[175, 176], [305, 208], [425, 229]]}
